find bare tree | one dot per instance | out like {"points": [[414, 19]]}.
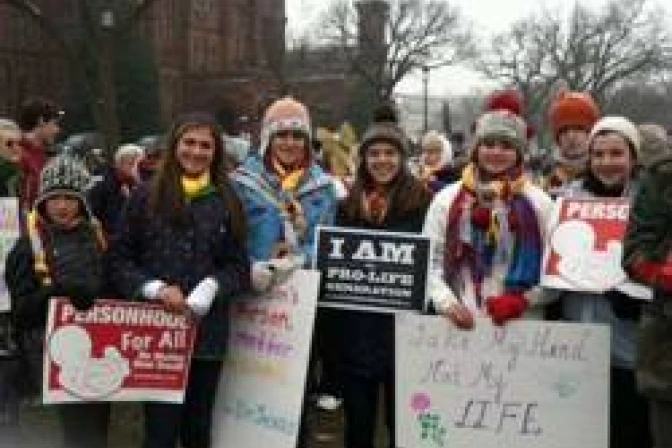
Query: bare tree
{"points": [[100, 23], [590, 51], [403, 36]]}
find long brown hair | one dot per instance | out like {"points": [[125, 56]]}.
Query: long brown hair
{"points": [[405, 193], [167, 198]]}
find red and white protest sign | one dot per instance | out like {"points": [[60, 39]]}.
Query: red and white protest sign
{"points": [[116, 351], [585, 247]]}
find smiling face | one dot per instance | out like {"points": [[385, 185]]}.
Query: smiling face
{"points": [[289, 148], [496, 157], [195, 151], [383, 162], [611, 159], [63, 210]]}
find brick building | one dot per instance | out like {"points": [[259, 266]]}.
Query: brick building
{"points": [[216, 55]]}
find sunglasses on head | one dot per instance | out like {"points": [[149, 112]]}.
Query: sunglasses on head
{"points": [[495, 141], [289, 133]]}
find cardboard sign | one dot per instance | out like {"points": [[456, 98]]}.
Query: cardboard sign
{"points": [[261, 389], [586, 247], [529, 384], [9, 233], [116, 351], [371, 270]]}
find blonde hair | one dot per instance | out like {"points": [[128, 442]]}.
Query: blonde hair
{"points": [[9, 128]]}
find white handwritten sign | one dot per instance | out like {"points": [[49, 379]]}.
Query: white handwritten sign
{"points": [[9, 232], [261, 390], [528, 384]]}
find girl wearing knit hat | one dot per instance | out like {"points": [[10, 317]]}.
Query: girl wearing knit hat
{"points": [[385, 196], [285, 195], [488, 230], [181, 242], [61, 254], [613, 150]]}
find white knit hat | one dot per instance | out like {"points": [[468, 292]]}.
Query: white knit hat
{"points": [[285, 114], [620, 125]]}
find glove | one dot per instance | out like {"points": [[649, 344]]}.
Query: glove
{"points": [[283, 268], [506, 307], [653, 274], [262, 276], [150, 290], [201, 297], [81, 297]]}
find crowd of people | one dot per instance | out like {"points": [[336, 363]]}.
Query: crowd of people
{"points": [[207, 222]]}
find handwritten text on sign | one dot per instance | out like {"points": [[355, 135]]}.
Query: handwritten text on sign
{"points": [[378, 271], [526, 385], [116, 351], [261, 391]]}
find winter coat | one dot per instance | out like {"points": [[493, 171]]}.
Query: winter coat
{"points": [[33, 159], [262, 198], [612, 308], [148, 247], [439, 292], [649, 239], [368, 337], [107, 200], [76, 271], [10, 178]]}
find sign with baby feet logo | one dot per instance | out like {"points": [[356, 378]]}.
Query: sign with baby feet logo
{"points": [[585, 247], [115, 351]]}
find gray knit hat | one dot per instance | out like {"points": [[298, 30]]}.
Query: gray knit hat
{"points": [[64, 174], [385, 128], [502, 124]]}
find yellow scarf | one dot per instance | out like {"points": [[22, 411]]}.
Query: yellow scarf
{"points": [[289, 179], [39, 255], [192, 187], [503, 189]]}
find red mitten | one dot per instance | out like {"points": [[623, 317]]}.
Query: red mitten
{"points": [[480, 217], [506, 307], [653, 274]]}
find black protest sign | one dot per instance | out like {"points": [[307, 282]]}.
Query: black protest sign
{"points": [[373, 270]]}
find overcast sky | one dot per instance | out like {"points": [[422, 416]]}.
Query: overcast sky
{"points": [[488, 16]]}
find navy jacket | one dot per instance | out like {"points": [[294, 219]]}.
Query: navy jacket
{"points": [[149, 248]]}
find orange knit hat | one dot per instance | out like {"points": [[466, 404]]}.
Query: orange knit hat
{"points": [[573, 109]]}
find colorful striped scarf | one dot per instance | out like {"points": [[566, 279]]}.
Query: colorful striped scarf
{"points": [[511, 234]]}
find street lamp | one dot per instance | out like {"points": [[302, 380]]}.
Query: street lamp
{"points": [[425, 99]]}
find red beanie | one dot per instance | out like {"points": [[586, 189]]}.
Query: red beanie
{"points": [[573, 109], [510, 100]]}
